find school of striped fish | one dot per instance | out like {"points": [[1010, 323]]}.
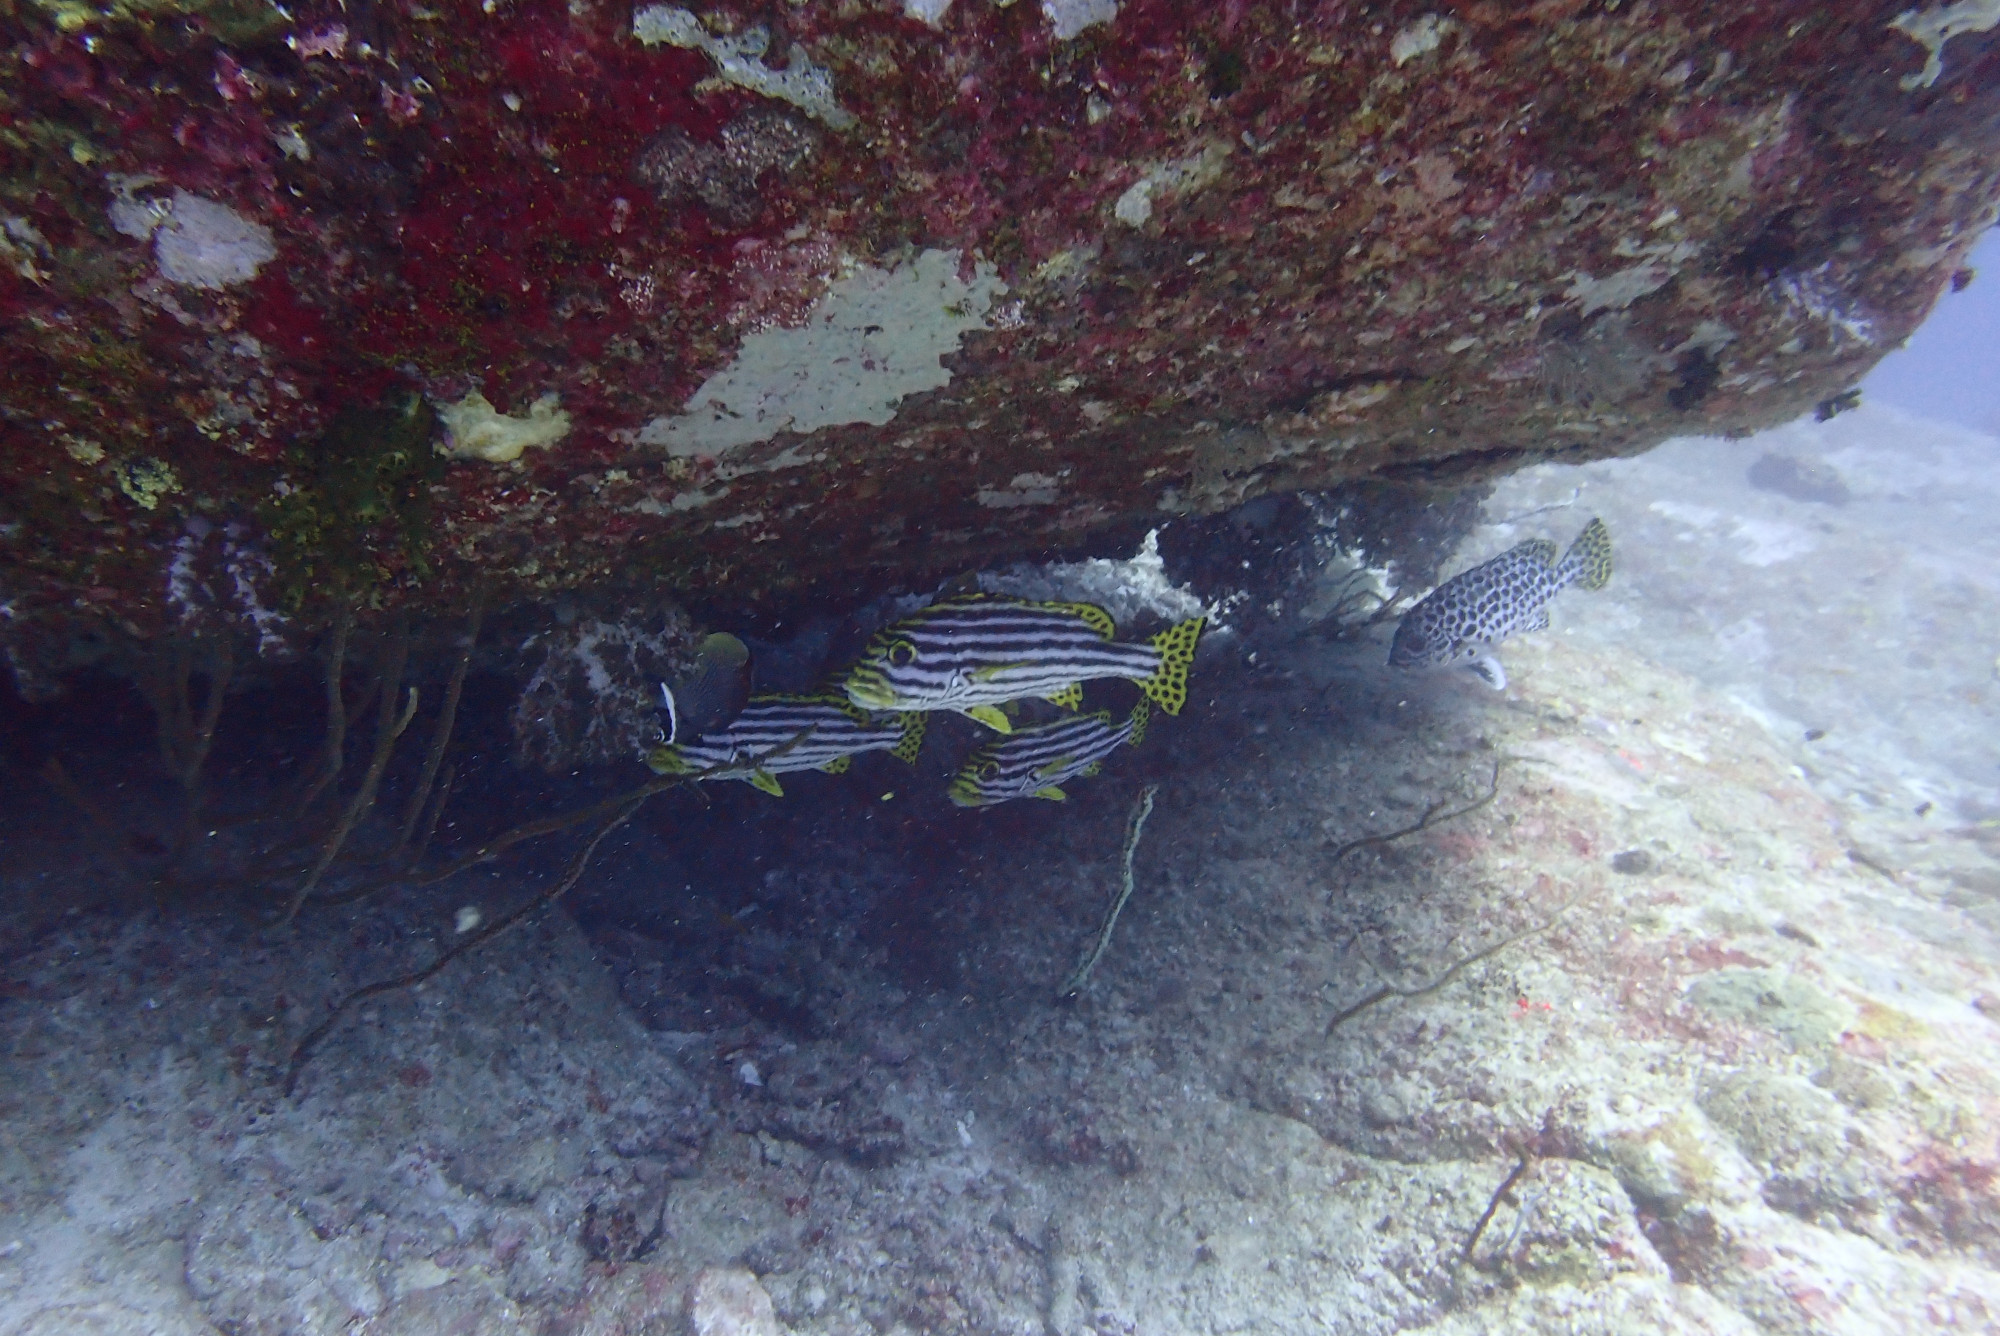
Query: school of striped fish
{"points": [[981, 655], [978, 655]]}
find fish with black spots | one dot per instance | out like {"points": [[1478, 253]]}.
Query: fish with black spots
{"points": [[1465, 617]]}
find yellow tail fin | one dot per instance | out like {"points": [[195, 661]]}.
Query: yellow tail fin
{"points": [[1168, 683], [1588, 561], [1140, 714]]}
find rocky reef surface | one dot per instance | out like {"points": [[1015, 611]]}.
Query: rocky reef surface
{"points": [[1656, 993], [380, 302]]}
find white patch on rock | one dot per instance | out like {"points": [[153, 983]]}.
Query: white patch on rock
{"points": [[1768, 542], [876, 336], [682, 501], [1934, 27], [1419, 39], [1070, 17], [1128, 590], [1695, 517], [1183, 176], [1619, 290], [729, 1301], [1026, 489], [195, 241], [474, 429], [1814, 294], [739, 60], [927, 11]]}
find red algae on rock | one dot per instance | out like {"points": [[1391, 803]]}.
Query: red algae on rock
{"points": [[1194, 257]]}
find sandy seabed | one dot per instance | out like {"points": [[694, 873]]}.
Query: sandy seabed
{"points": [[1692, 1025]]}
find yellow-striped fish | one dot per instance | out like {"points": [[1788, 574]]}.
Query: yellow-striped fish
{"points": [[775, 734], [975, 652], [1034, 762]]}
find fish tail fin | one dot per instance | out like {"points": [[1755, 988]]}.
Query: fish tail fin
{"points": [[1167, 684], [913, 722], [1141, 712], [1587, 564]]}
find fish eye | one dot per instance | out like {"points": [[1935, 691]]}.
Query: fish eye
{"points": [[989, 770], [902, 653]]}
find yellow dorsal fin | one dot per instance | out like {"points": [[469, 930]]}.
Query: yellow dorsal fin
{"points": [[1091, 615]]}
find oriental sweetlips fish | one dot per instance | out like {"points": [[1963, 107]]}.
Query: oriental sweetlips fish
{"points": [[1466, 616], [779, 733], [1033, 762], [975, 652]]}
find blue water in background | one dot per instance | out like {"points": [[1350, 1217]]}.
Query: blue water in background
{"points": [[1947, 369]]}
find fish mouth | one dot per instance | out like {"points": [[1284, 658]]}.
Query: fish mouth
{"points": [[870, 694]]}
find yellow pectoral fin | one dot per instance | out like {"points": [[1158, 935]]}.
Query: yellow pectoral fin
{"points": [[993, 670], [1052, 793], [767, 781], [991, 717], [1054, 767]]}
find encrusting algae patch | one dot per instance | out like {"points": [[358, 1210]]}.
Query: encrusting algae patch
{"points": [[474, 429]]}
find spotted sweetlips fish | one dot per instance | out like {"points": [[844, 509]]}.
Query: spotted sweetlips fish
{"points": [[775, 734], [1465, 617], [975, 652], [1034, 762]]}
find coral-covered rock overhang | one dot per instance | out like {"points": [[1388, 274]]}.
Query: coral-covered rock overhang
{"points": [[386, 298]]}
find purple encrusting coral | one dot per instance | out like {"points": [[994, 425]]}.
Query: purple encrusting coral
{"points": [[1244, 248]]}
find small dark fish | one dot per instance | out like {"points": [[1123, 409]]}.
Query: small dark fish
{"points": [[1466, 616], [711, 691], [1033, 762], [975, 652], [775, 734]]}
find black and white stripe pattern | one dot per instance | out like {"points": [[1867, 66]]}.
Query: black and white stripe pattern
{"points": [[987, 650], [1035, 759], [758, 738]]}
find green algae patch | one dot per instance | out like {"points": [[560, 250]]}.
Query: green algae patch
{"points": [[354, 511], [1801, 1014], [235, 22]]}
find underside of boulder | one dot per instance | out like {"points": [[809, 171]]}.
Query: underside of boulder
{"points": [[382, 301]]}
